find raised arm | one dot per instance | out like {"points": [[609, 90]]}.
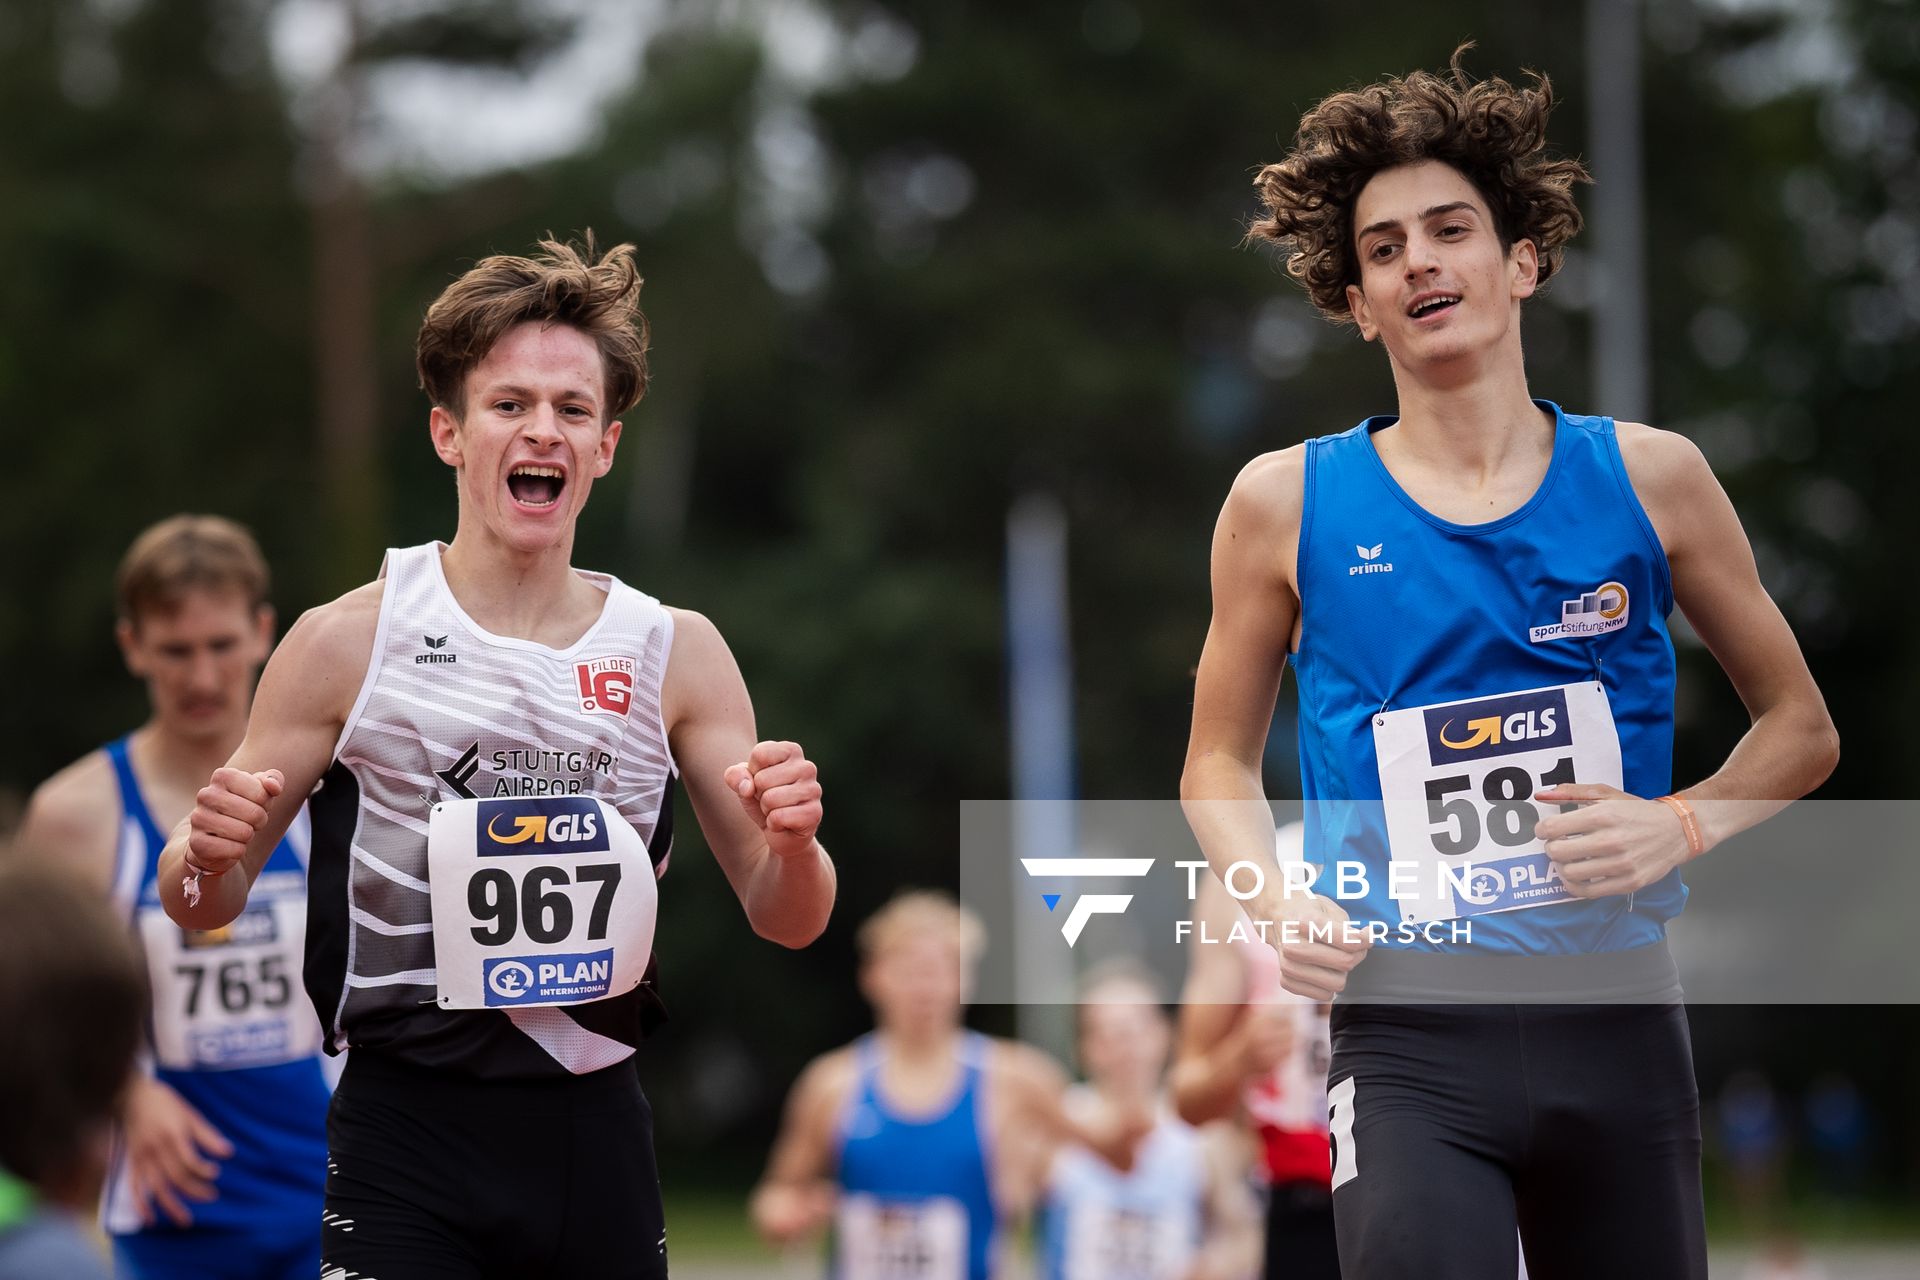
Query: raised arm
{"points": [[305, 695], [758, 802], [1616, 843]]}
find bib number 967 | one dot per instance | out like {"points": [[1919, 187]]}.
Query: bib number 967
{"points": [[539, 903]]}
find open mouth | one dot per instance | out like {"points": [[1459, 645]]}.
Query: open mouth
{"points": [[536, 486], [1434, 305]]}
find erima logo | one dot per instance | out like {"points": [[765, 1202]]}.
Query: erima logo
{"points": [[1370, 560], [550, 824], [1592, 613], [1092, 904], [435, 644]]}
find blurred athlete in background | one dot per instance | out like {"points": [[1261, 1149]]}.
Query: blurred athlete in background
{"points": [[223, 1153]]}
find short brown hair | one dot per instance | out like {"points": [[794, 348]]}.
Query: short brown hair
{"points": [[184, 553], [73, 999], [1493, 133], [598, 294]]}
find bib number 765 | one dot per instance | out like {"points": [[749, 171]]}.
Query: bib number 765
{"points": [[540, 903]]}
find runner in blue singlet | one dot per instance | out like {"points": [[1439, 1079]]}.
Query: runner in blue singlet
{"points": [[208, 1179], [1474, 593], [916, 1141]]}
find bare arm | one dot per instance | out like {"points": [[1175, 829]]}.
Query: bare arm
{"points": [[1220, 1041], [1256, 613], [758, 803], [72, 822], [1233, 1233], [1617, 843], [1791, 746], [305, 694], [796, 1194]]}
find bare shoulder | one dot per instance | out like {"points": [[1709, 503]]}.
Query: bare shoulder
{"points": [[702, 676], [1661, 464], [694, 635], [1675, 484], [348, 622], [1270, 490], [317, 669], [73, 818], [826, 1081]]}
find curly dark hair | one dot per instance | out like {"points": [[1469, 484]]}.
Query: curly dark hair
{"points": [[577, 285], [1493, 133]]}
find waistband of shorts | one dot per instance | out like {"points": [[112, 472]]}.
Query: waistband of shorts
{"points": [[373, 1074], [1641, 975]]}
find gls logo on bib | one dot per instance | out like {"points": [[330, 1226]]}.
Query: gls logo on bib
{"points": [[539, 825], [1497, 726]]}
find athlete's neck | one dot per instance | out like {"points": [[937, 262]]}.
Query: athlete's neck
{"points": [[1472, 431], [912, 1048], [526, 595]]}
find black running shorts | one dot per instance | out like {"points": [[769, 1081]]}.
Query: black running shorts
{"points": [[431, 1177], [1454, 1126]]}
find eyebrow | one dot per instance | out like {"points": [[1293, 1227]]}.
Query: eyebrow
{"points": [[1391, 224], [513, 392]]}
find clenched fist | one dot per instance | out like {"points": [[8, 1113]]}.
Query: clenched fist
{"points": [[779, 788], [226, 813]]}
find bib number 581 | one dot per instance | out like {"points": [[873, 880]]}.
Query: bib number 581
{"points": [[539, 903], [1510, 815]]}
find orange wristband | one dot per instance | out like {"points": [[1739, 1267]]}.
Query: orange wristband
{"points": [[1696, 845]]}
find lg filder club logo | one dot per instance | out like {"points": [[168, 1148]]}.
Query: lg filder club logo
{"points": [[606, 685]]}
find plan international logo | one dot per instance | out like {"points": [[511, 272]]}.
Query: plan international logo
{"points": [[1595, 612]]}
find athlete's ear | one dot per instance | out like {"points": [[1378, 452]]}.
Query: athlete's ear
{"points": [[127, 636], [603, 460], [444, 429], [1361, 313], [1523, 261]]}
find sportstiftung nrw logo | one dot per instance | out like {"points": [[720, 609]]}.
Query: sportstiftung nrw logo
{"points": [[1088, 905], [1370, 561], [1592, 613]]}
